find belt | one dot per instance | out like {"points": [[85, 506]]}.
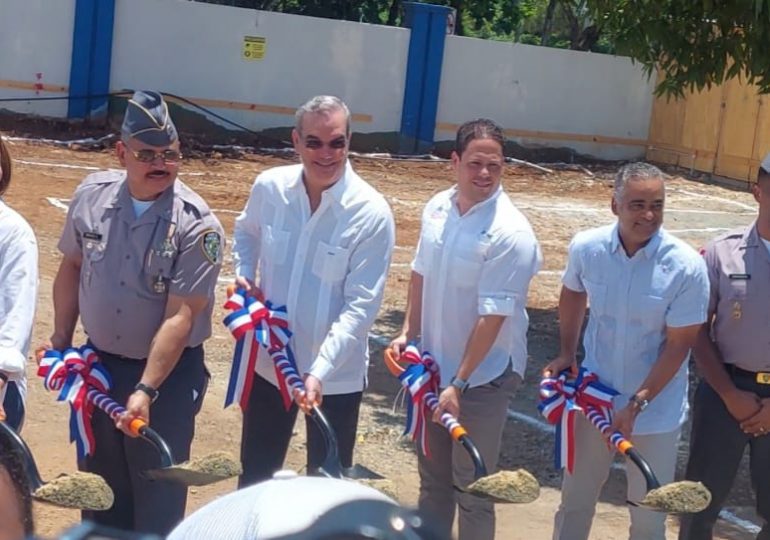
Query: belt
{"points": [[760, 377]]}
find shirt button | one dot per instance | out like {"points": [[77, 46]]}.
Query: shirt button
{"points": [[122, 283], [117, 337], [119, 311], [128, 257]]}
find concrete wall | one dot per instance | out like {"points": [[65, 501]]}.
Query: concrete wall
{"points": [[600, 104], [196, 51], [35, 38], [593, 104]]}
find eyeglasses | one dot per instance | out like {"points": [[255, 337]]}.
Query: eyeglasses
{"points": [[145, 155]]}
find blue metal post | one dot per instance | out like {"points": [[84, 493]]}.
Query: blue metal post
{"points": [[428, 25], [91, 57]]}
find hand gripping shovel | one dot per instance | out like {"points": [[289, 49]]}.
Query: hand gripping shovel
{"points": [[81, 490], [677, 497], [197, 472], [503, 486]]}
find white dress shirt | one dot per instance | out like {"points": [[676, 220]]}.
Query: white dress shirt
{"points": [[476, 264], [632, 302], [18, 294], [328, 268]]}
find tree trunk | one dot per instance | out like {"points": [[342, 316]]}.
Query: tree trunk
{"points": [[548, 22], [459, 28]]}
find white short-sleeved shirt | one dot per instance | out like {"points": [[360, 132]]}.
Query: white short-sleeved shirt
{"points": [[632, 301], [18, 294], [476, 264], [328, 268]]}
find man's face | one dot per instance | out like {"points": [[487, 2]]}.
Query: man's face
{"points": [[479, 170], [322, 146], [11, 515], [148, 173], [640, 211]]}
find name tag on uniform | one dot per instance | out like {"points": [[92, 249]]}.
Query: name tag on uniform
{"points": [[740, 277], [90, 235]]}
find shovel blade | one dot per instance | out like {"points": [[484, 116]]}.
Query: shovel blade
{"points": [[183, 476], [361, 472]]}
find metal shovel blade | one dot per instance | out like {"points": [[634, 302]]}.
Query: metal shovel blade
{"points": [[360, 472], [199, 472]]}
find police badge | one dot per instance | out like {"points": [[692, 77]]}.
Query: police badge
{"points": [[211, 243]]}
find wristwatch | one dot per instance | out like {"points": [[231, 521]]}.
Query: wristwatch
{"points": [[639, 402], [147, 389], [461, 384]]}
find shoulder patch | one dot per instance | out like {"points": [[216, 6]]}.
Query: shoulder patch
{"points": [[211, 245]]}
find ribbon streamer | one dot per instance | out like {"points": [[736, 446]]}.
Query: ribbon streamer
{"points": [[72, 373], [564, 396], [422, 379], [254, 324]]}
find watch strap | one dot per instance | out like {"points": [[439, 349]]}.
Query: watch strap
{"points": [[147, 389]]}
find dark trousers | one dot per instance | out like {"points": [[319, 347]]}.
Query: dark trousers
{"points": [[143, 505], [13, 406], [716, 448], [267, 429]]}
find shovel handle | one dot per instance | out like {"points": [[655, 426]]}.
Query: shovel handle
{"points": [[452, 425], [137, 426], [623, 445], [30, 467]]}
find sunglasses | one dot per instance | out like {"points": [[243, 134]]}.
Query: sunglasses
{"points": [[146, 155]]}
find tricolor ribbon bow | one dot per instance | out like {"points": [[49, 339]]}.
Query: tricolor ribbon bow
{"points": [[564, 396], [421, 378], [72, 373], [254, 324]]}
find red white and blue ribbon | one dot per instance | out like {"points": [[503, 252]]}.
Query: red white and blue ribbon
{"points": [[422, 379], [254, 325], [564, 396], [73, 373]]}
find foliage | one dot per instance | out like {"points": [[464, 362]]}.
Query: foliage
{"points": [[694, 43]]}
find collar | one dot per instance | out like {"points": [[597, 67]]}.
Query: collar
{"points": [[121, 201], [340, 191], [750, 236], [490, 201], [648, 250]]}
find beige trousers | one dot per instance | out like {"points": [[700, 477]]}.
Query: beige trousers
{"points": [[580, 490], [483, 412]]}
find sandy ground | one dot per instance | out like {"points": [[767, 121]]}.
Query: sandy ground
{"points": [[558, 205]]}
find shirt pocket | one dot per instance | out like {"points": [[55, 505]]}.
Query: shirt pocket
{"points": [[331, 262], [465, 273], [276, 245], [652, 311], [93, 257], [597, 296]]}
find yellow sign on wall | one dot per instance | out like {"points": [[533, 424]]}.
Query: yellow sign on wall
{"points": [[254, 47]]}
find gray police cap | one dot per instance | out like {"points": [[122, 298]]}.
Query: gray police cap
{"points": [[147, 120]]}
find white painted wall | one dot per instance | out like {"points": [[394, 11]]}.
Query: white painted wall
{"points": [[35, 37], [554, 90], [193, 49]]}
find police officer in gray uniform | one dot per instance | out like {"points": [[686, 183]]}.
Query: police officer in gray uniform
{"points": [[732, 402], [142, 253]]}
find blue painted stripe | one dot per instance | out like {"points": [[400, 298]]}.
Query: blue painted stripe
{"points": [[80, 68], [101, 56], [432, 78], [423, 73], [91, 56]]}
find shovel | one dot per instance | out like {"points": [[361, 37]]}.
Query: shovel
{"points": [[81, 490], [198, 472], [675, 498], [502, 487]]}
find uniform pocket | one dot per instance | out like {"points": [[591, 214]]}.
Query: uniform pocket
{"points": [[93, 255], [653, 310], [330, 262]]}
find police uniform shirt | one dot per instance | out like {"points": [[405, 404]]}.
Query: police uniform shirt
{"points": [[739, 273], [129, 264]]}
